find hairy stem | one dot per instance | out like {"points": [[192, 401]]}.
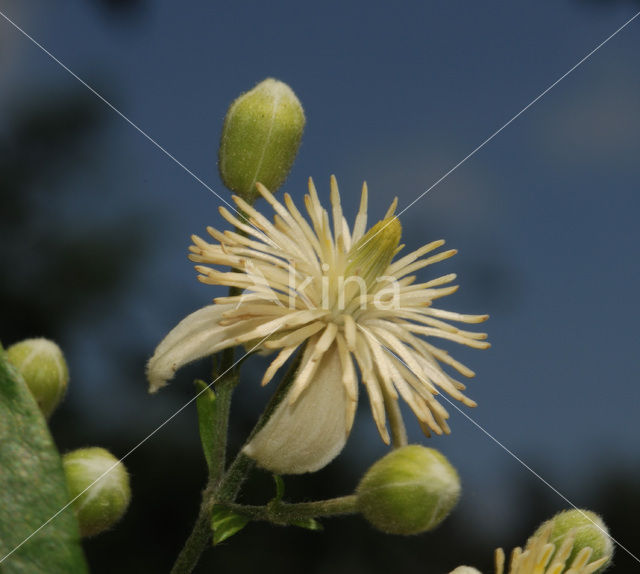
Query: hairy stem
{"points": [[223, 487], [195, 545], [224, 491], [289, 513]]}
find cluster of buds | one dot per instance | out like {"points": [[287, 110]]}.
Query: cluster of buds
{"points": [[98, 482]]}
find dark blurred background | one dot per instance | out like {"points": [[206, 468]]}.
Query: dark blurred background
{"points": [[95, 224]]}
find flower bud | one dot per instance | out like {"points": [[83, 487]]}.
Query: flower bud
{"points": [[588, 530], [260, 138], [106, 497], [44, 370], [371, 255], [408, 491], [465, 570]]}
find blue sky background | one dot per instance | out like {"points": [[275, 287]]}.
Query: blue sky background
{"points": [[545, 217]]}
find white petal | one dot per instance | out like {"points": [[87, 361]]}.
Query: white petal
{"points": [[194, 337], [309, 434]]}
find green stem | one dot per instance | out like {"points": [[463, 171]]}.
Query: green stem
{"points": [[224, 487], [224, 491], [196, 544], [232, 481], [288, 513], [398, 430]]}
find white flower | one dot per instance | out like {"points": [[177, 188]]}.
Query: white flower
{"points": [[335, 292]]}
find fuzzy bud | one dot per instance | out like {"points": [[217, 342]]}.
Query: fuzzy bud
{"points": [[408, 491], [106, 501], [44, 370], [588, 530], [260, 138]]}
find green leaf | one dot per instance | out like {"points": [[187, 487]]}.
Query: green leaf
{"points": [[206, 403], [226, 523], [32, 489], [308, 523]]}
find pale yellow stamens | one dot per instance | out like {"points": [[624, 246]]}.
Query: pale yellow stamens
{"points": [[306, 280]]}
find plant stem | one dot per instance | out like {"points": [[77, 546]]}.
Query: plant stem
{"points": [[230, 485], [223, 487], [288, 513], [224, 491], [398, 430], [196, 544]]}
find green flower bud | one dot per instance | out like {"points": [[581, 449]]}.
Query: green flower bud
{"points": [[408, 491], [260, 138], [44, 370], [588, 530], [104, 502], [370, 256]]}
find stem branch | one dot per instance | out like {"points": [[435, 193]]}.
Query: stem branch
{"points": [[288, 513]]}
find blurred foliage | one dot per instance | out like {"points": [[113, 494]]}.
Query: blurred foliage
{"points": [[55, 262]]}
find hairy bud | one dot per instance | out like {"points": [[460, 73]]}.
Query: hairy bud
{"points": [[44, 370], [408, 491], [102, 500], [260, 138], [588, 531]]}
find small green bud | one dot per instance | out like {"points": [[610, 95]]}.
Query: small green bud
{"points": [[589, 531], [260, 138], [410, 490], [44, 370], [104, 502], [373, 253]]}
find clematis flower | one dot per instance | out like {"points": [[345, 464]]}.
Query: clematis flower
{"points": [[542, 556], [335, 293]]}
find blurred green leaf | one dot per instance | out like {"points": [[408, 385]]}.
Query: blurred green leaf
{"points": [[206, 403], [32, 489], [226, 523]]}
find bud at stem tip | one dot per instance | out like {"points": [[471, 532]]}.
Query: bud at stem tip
{"points": [[260, 138], [410, 490]]}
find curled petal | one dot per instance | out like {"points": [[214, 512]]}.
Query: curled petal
{"points": [[306, 436], [196, 336]]}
